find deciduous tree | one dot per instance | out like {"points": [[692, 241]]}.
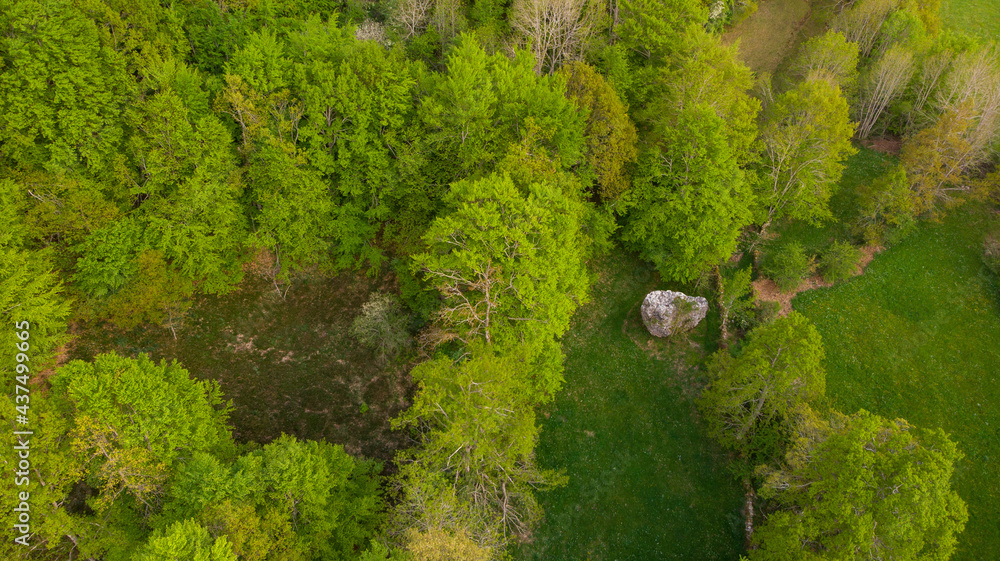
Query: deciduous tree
{"points": [[185, 540], [290, 499], [752, 396], [479, 432], [862, 486], [935, 159], [883, 83], [62, 91], [610, 134], [806, 135], [653, 28], [690, 198], [557, 31], [862, 21], [831, 53], [508, 265]]}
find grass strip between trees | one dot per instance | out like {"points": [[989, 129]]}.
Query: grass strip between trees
{"points": [[645, 482]]}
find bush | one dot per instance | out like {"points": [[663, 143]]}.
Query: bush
{"points": [[787, 266], [382, 325], [766, 312], [839, 262], [885, 209]]}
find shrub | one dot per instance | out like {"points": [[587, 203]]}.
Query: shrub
{"points": [[787, 265], [766, 312], [885, 209], [839, 262], [382, 325]]}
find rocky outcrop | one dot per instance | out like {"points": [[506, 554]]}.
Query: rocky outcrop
{"points": [[666, 312]]}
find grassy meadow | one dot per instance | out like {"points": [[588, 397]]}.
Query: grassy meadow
{"points": [[645, 481], [975, 17], [771, 33], [918, 337]]}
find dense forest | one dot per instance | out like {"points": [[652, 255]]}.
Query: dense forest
{"points": [[483, 155]]}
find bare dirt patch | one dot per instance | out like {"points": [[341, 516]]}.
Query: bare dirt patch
{"points": [[885, 144], [765, 289]]}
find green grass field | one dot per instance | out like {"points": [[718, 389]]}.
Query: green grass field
{"points": [[918, 337], [976, 17], [770, 34], [645, 481]]}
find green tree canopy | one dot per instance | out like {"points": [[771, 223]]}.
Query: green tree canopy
{"points": [[62, 91], [478, 423], [508, 265], [290, 499], [806, 134], [862, 487], [690, 198], [610, 134], [653, 28], [752, 396], [185, 540], [133, 420]]}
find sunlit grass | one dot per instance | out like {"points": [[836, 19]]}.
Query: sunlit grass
{"points": [[918, 337], [645, 481], [975, 17]]}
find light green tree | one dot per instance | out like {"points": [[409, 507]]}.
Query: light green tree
{"points": [[294, 211], [735, 297], [185, 540], [831, 53], [62, 91], [508, 265], [478, 430], [184, 173], [133, 420], [481, 105], [290, 499], [357, 108], [653, 28], [690, 198], [751, 397], [862, 487], [120, 427], [806, 135]]}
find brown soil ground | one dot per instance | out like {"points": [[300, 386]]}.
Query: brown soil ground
{"points": [[885, 144], [765, 289]]}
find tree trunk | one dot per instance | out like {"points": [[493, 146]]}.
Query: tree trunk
{"points": [[723, 310], [748, 510]]}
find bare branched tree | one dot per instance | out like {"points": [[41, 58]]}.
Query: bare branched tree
{"points": [[448, 18], [932, 69], [975, 79], [557, 30], [411, 16], [886, 80], [862, 22]]}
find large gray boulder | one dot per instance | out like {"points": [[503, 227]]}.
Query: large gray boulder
{"points": [[666, 312]]}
